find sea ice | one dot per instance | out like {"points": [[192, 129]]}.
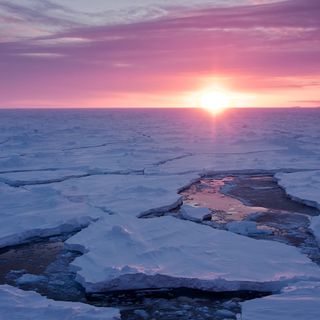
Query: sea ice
{"points": [[194, 213], [246, 228], [39, 212], [16, 304], [300, 301], [132, 195], [62, 170], [304, 187], [129, 253], [29, 278]]}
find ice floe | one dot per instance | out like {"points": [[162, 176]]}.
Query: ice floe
{"points": [[16, 304], [305, 187], [39, 212], [302, 186], [133, 195], [129, 253], [195, 214], [300, 301], [246, 228]]}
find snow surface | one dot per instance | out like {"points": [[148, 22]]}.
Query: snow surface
{"points": [[194, 213], [132, 195], [16, 304], [63, 170], [304, 187], [300, 301], [169, 252], [39, 212]]}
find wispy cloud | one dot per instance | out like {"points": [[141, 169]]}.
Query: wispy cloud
{"points": [[28, 18], [60, 41], [25, 19], [41, 55], [309, 102], [268, 48]]}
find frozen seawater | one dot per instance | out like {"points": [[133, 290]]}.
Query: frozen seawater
{"points": [[304, 187], [300, 301], [61, 171], [16, 304], [129, 253]]}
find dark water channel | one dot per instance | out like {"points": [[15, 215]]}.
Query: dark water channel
{"points": [[260, 201], [44, 267]]}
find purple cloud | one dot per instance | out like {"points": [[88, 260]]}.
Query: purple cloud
{"points": [[255, 47]]}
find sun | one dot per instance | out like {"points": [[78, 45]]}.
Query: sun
{"points": [[215, 101]]}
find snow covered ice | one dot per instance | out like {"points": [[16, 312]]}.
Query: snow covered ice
{"points": [[62, 171], [300, 301], [16, 304], [39, 212], [304, 187], [167, 252], [194, 213]]}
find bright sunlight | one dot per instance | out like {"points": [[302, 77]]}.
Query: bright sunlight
{"points": [[215, 101]]}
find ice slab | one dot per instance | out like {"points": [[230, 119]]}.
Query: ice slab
{"points": [[133, 195], [39, 212], [246, 228], [304, 187], [194, 213], [16, 304], [300, 301], [129, 253], [67, 206]]}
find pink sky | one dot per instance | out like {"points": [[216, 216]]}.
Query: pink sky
{"points": [[264, 55]]}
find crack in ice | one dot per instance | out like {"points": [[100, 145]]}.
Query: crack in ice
{"points": [[22, 183]]}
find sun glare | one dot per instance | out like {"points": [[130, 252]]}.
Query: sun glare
{"points": [[215, 101]]}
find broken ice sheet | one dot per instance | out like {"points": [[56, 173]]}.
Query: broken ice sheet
{"points": [[123, 252], [16, 304]]}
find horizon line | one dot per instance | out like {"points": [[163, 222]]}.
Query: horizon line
{"points": [[130, 108]]}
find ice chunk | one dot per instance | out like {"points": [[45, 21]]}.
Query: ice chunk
{"points": [[130, 253], [300, 302], [16, 304], [133, 195], [246, 228], [304, 187], [39, 212], [194, 213], [29, 278]]}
